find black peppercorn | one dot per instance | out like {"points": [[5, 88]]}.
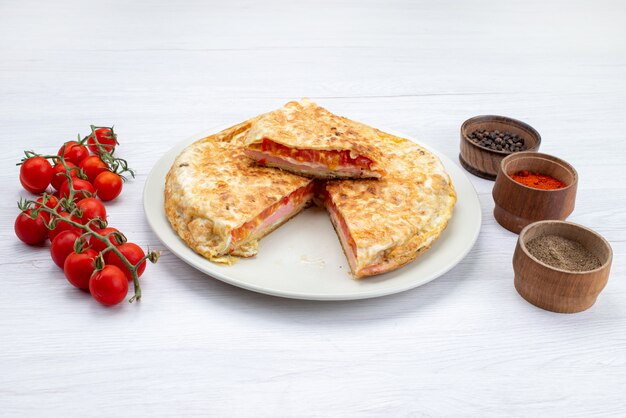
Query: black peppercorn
{"points": [[497, 140]]}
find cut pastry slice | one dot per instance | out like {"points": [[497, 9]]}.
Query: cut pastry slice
{"points": [[307, 139], [384, 224], [270, 218], [221, 203]]}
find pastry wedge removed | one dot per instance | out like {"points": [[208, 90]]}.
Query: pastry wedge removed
{"points": [[384, 224], [221, 203], [307, 139]]}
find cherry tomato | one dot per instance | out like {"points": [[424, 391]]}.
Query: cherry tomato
{"points": [[98, 245], [105, 137], [36, 174], [78, 268], [62, 246], [73, 152], [108, 286], [62, 226], [80, 186], [92, 166], [30, 231], [133, 254], [91, 208], [59, 174], [108, 185], [51, 203]]}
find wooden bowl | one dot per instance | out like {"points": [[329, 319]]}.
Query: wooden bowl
{"points": [[517, 205], [485, 162], [554, 289]]}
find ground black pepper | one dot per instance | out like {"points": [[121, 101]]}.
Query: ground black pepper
{"points": [[499, 141], [562, 253]]}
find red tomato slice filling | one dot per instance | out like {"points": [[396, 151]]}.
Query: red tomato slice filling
{"points": [[330, 158], [342, 223], [296, 198]]}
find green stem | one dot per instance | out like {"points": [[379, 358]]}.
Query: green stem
{"points": [[116, 165], [69, 205], [109, 247]]}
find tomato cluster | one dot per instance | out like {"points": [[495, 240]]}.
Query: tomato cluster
{"points": [[94, 256], [36, 172]]}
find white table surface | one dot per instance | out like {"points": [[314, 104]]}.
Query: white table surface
{"points": [[465, 344]]}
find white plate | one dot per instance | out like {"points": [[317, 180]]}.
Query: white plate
{"points": [[303, 258]]}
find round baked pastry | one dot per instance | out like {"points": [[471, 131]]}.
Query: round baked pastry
{"points": [[221, 202]]}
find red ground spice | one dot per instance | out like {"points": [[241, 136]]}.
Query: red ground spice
{"points": [[537, 180]]}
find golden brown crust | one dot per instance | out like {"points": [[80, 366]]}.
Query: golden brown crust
{"points": [[305, 125], [213, 188], [394, 219]]}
